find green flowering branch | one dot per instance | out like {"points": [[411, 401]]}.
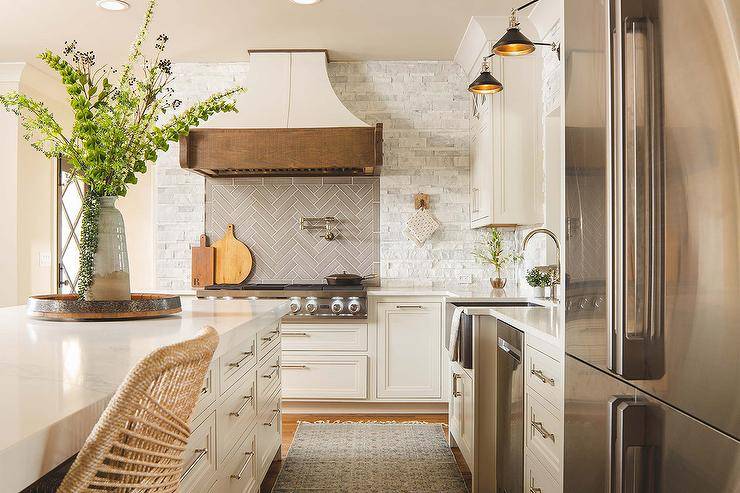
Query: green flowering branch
{"points": [[491, 251], [117, 126]]}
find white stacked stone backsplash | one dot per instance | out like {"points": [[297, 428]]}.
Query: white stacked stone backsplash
{"points": [[424, 109]]}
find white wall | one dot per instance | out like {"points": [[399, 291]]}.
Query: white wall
{"points": [[424, 109], [27, 191], [9, 133]]}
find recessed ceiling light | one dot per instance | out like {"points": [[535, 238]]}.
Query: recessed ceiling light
{"points": [[305, 2], [112, 4]]}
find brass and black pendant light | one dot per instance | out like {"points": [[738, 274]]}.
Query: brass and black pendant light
{"points": [[486, 83], [512, 43]]}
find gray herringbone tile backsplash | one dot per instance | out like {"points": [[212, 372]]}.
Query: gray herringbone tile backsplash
{"points": [[266, 213]]}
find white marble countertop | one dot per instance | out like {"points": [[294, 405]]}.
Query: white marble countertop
{"points": [[467, 291], [542, 321], [57, 377]]}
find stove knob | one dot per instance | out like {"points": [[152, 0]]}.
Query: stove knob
{"points": [[337, 305], [312, 305], [295, 305], [354, 305]]}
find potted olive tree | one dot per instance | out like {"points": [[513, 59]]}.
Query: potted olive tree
{"points": [[121, 121], [491, 251]]}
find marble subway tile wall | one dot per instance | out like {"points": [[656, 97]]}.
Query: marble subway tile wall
{"points": [[424, 108], [266, 214]]}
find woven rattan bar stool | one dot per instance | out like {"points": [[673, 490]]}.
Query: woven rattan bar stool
{"points": [[138, 442]]}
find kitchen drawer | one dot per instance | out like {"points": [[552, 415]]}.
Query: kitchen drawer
{"points": [[313, 376], [544, 376], [200, 457], [543, 433], [268, 432], [236, 413], [239, 470], [324, 337], [536, 477], [236, 363], [209, 391], [267, 339], [268, 377]]}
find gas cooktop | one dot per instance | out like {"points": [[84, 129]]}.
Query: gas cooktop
{"points": [[282, 287], [306, 300]]}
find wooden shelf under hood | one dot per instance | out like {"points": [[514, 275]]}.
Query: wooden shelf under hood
{"points": [[243, 152]]}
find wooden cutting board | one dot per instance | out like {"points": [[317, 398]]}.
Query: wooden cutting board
{"points": [[233, 259], [204, 264]]}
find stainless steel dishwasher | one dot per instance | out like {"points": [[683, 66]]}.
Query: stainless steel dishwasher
{"points": [[509, 410]]}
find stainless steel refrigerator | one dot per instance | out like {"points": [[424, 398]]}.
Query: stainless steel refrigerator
{"points": [[652, 115]]}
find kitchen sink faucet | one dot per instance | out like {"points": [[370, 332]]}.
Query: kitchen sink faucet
{"points": [[554, 269]]}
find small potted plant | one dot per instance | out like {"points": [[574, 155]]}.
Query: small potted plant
{"points": [[122, 119], [539, 280], [491, 251]]}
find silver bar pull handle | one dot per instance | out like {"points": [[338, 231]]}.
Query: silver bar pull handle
{"points": [[296, 334], [238, 412], [275, 369], [541, 375], [537, 425], [202, 452], [245, 355], [238, 475], [294, 367], [271, 337], [510, 350], [455, 392], [403, 307], [272, 420]]}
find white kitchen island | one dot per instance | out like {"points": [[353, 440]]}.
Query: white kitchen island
{"points": [[57, 377]]}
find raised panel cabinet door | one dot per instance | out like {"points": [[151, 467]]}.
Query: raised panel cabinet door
{"points": [[455, 406], [409, 350], [475, 170], [467, 428], [516, 190], [315, 376], [482, 155]]}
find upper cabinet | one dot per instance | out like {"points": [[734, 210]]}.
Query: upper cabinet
{"points": [[505, 147]]}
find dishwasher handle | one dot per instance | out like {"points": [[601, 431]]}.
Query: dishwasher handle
{"points": [[510, 350]]}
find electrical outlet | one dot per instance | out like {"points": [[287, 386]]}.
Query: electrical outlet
{"points": [[45, 259], [465, 279]]}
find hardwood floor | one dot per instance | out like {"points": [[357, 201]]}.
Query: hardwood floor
{"points": [[290, 425]]}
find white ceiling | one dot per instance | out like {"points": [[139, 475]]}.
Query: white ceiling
{"points": [[223, 30]]}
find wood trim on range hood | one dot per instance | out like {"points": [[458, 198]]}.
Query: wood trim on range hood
{"points": [[243, 152]]}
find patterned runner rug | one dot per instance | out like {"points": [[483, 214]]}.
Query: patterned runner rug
{"points": [[369, 458]]}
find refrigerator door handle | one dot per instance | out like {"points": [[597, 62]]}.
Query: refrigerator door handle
{"points": [[635, 243], [631, 455]]}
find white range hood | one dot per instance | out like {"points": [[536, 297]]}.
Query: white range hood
{"points": [[290, 123], [287, 89]]}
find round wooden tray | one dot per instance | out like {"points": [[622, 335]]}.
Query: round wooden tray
{"points": [[71, 307]]}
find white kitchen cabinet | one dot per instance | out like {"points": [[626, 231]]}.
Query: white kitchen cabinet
{"points": [[237, 432], [316, 376], [409, 363], [462, 413], [505, 156]]}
